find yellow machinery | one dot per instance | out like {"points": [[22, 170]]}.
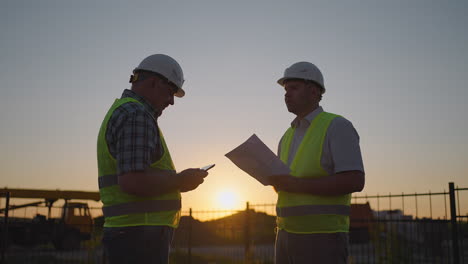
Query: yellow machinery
{"points": [[74, 225]]}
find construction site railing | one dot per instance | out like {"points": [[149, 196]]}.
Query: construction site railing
{"points": [[5, 226], [404, 228]]}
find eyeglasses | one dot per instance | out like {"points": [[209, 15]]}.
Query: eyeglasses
{"points": [[172, 87]]}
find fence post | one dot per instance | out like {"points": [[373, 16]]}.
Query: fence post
{"points": [[190, 237], [5, 227], [247, 251], [453, 221]]}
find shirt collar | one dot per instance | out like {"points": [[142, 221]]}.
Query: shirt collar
{"points": [[307, 119], [148, 107]]}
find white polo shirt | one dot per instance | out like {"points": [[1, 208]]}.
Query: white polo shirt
{"points": [[341, 151]]}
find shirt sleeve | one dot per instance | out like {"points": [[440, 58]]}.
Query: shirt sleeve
{"points": [[136, 142], [344, 146]]}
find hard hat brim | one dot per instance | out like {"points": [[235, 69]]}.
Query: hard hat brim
{"points": [[281, 81], [180, 93]]}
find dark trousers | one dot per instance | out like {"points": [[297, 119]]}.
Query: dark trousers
{"points": [[311, 248], [138, 244]]}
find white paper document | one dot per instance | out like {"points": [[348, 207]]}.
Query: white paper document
{"points": [[257, 160]]}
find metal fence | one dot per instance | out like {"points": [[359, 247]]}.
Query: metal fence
{"points": [[393, 228], [428, 236]]}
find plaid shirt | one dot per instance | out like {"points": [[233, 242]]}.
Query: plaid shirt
{"points": [[133, 136]]}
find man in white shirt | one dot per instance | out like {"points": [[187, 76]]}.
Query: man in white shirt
{"points": [[322, 150]]}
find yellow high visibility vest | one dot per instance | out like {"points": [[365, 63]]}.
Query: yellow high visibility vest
{"points": [[122, 209], [305, 213]]}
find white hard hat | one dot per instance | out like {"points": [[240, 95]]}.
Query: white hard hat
{"points": [[305, 71], [165, 66]]}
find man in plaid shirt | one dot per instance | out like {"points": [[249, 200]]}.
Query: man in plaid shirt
{"points": [[139, 187]]}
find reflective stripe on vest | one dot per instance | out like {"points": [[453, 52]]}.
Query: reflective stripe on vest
{"points": [[111, 179], [312, 210], [306, 213], [108, 180], [139, 207]]}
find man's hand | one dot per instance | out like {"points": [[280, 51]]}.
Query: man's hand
{"points": [[283, 182], [190, 179]]}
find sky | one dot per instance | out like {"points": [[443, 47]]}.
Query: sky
{"points": [[396, 69]]}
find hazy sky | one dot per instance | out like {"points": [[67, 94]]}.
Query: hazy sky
{"points": [[396, 69]]}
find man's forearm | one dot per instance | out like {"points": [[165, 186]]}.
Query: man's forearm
{"points": [[336, 184]]}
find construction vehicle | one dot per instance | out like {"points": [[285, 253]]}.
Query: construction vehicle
{"points": [[66, 232]]}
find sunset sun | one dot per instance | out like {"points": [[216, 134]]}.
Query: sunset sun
{"points": [[227, 199]]}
